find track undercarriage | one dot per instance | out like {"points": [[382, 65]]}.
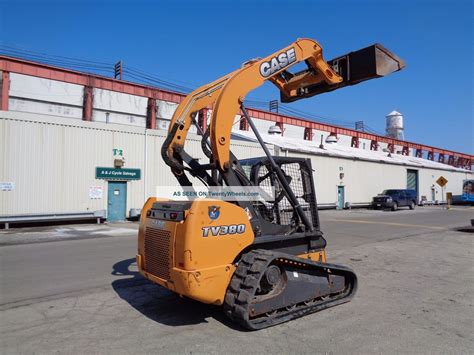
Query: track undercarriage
{"points": [[270, 288]]}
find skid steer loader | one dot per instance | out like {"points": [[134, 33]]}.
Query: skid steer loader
{"points": [[263, 261]]}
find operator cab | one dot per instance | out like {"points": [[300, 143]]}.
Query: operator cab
{"points": [[298, 174]]}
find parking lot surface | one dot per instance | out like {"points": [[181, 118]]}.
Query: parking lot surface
{"points": [[75, 289]]}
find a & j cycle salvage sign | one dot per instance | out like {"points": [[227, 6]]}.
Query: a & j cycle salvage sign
{"points": [[117, 174]]}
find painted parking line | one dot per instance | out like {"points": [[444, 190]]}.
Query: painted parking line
{"points": [[387, 223]]}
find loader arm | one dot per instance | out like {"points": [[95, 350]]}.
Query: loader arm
{"points": [[226, 95], [254, 75]]}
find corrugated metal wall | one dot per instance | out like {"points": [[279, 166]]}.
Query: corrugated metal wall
{"points": [[52, 161]]}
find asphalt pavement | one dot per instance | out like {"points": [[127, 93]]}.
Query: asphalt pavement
{"points": [[75, 289]]}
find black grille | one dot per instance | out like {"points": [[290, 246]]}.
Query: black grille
{"points": [[157, 252]]}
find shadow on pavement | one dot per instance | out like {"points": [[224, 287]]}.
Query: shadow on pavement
{"points": [[159, 304]]}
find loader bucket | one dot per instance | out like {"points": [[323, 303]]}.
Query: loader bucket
{"points": [[368, 63]]}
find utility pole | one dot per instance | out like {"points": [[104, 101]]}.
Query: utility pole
{"points": [[359, 126], [118, 70], [273, 106]]}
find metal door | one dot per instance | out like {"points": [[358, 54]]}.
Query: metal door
{"points": [[340, 197], [117, 201]]}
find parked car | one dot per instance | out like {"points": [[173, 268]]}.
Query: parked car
{"points": [[395, 198]]}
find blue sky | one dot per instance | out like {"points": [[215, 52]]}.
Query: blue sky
{"points": [[194, 42]]}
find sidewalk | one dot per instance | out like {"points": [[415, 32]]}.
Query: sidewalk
{"points": [[45, 234]]}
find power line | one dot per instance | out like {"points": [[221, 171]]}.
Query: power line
{"points": [[24, 50], [315, 116], [76, 65], [153, 79], [174, 81]]}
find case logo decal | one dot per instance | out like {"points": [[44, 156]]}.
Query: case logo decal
{"points": [[278, 62], [214, 212], [223, 230]]}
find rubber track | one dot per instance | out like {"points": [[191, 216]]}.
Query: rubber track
{"points": [[246, 280]]}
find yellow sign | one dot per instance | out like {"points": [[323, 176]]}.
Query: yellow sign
{"points": [[441, 181]]}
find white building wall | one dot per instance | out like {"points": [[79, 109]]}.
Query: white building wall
{"points": [[262, 125], [39, 89], [52, 161], [165, 109], [107, 100], [37, 95], [398, 149], [293, 131], [344, 140], [363, 179], [115, 107], [45, 108], [427, 183], [51, 149], [45, 96], [364, 144], [383, 146], [317, 135]]}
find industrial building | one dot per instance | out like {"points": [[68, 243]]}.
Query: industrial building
{"points": [[80, 143]]}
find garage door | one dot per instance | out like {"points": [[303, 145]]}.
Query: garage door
{"points": [[412, 180]]}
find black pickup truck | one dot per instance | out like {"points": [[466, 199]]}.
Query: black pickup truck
{"points": [[395, 198]]}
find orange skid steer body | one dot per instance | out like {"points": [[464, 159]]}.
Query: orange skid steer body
{"points": [[264, 261]]}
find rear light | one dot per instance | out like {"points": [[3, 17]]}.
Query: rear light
{"points": [[174, 216]]}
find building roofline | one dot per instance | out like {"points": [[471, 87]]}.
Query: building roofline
{"points": [[37, 69]]}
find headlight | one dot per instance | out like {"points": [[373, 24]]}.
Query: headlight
{"points": [[389, 199]]}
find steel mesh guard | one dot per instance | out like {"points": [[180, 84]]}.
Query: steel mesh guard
{"points": [[280, 211]]}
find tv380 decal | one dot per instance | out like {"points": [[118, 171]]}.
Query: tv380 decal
{"points": [[215, 231]]}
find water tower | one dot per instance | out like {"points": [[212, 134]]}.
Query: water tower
{"points": [[394, 125]]}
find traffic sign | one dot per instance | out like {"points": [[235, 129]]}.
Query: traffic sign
{"points": [[442, 181]]}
